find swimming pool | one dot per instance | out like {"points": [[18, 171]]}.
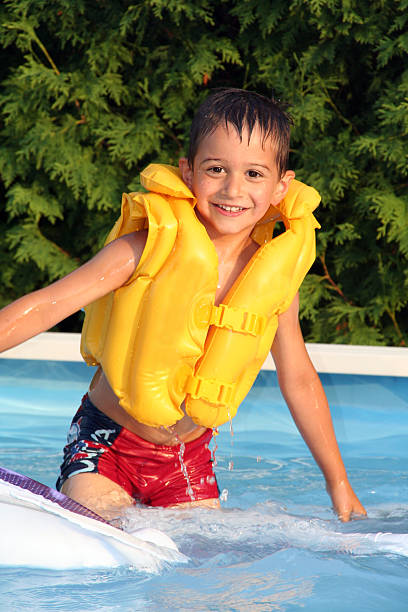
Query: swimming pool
{"points": [[275, 545]]}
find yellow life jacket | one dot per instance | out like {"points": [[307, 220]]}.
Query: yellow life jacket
{"points": [[160, 339]]}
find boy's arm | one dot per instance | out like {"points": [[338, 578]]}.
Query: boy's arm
{"points": [[307, 402], [38, 311]]}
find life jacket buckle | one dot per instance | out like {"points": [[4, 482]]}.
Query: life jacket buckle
{"points": [[238, 320], [211, 390]]}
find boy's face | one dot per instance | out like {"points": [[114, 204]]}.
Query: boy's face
{"points": [[234, 181]]}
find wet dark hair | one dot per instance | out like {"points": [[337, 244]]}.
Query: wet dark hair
{"points": [[243, 109]]}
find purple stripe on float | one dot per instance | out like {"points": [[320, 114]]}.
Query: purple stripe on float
{"points": [[24, 482]]}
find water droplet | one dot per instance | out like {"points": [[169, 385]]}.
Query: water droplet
{"points": [[215, 433], [224, 495], [189, 489], [230, 424]]}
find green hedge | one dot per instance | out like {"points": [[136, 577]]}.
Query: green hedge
{"points": [[93, 90]]}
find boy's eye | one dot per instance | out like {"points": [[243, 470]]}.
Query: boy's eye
{"points": [[253, 174], [216, 169]]}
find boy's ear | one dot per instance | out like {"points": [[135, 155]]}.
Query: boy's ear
{"points": [[186, 172], [282, 187]]}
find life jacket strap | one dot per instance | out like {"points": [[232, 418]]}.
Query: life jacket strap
{"points": [[238, 319], [211, 390]]}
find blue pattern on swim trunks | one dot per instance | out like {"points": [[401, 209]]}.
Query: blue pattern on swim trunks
{"points": [[85, 444]]}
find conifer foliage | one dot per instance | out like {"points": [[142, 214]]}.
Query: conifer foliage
{"points": [[93, 90]]}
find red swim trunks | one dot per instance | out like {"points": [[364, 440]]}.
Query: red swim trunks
{"points": [[153, 474]]}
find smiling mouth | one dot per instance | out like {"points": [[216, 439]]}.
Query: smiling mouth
{"points": [[232, 209]]}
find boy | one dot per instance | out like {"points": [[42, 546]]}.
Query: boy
{"points": [[143, 429]]}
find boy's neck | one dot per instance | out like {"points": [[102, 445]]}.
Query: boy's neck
{"points": [[230, 248]]}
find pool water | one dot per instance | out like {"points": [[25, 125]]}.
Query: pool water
{"points": [[275, 544]]}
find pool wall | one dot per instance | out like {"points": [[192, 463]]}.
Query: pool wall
{"points": [[327, 358]]}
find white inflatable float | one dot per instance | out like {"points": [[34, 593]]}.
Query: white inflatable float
{"points": [[43, 528]]}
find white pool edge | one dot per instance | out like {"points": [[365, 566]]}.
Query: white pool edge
{"points": [[333, 358]]}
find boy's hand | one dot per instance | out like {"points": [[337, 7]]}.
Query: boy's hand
{"points": [[345, 502]]}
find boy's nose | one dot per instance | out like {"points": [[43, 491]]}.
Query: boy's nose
{"points": [[232, 186]]}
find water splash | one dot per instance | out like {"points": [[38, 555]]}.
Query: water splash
{"points": [[266, 529]]}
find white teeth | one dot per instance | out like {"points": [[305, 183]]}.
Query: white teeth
{"points": [[230, 208]]}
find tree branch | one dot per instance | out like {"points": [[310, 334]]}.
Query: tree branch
{"points": [[332, 282]]}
